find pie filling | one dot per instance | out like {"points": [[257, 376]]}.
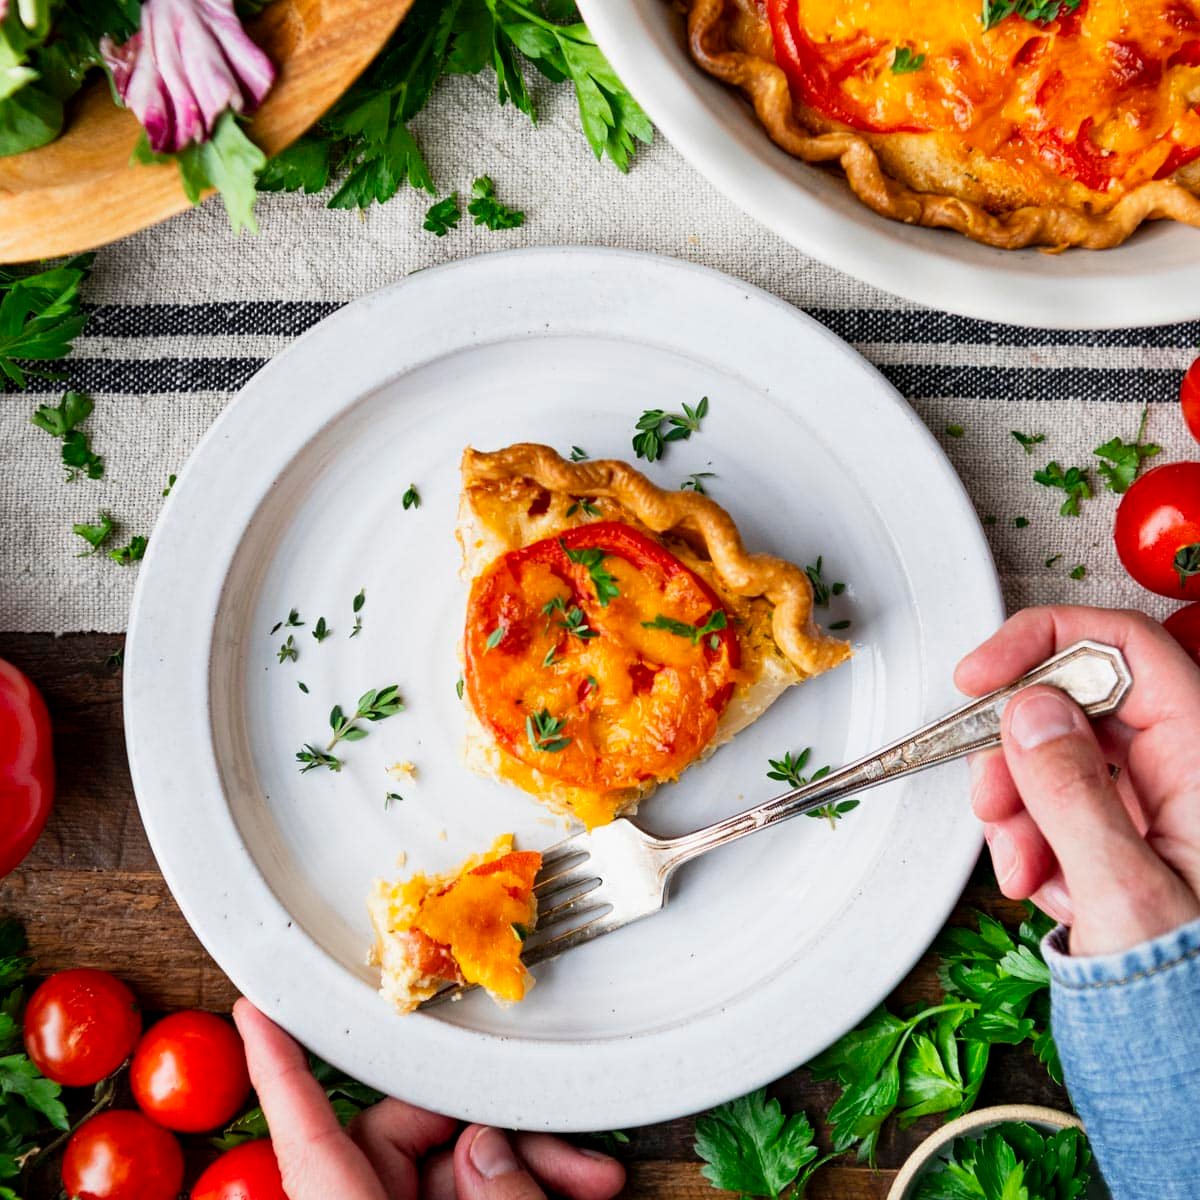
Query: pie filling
{"points": [[1105, 94], [465, 927], [599, 660]]}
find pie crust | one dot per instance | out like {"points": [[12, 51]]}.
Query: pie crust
{"points": [[920, 178], [526, 493]]}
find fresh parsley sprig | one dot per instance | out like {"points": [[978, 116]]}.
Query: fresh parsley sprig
{"points": [[489, 211], [1122, 460], [1074, 481], [715, 621], [650, 440], [40, 317], [443, 216], [788, 770], [1013, 1161], [61, 421], [592, 557], [95, 535], [748, 1146], [133, 551]]}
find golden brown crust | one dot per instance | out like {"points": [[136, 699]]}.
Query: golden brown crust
{"points": [[1051, 225], [693, 516]]}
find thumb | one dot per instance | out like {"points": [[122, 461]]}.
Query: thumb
{"points": [[486, 1168], [1121, 892]]}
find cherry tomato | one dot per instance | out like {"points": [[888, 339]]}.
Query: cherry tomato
{"points": [[247, 1172], [120, 1155], [1184, 627], [26, 766], [1189, 398], [189, 1072], [80, 1026], [1158, 530]]}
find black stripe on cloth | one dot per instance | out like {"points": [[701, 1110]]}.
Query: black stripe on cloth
{"points": [[148, 376], [282, 318], [1033, 383], [923, 327]]}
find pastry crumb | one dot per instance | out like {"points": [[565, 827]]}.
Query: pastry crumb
{"points": [[441, 835], [401, 858], [402, 770]]}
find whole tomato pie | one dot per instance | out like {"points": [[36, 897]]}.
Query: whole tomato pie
{"points": [[1017, 122], [616, 632]]}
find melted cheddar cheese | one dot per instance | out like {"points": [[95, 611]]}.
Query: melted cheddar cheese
{"points": [[464, 927], [1104, 96]]}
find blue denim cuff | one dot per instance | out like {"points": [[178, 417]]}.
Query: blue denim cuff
{"points": [[1178, 949]]}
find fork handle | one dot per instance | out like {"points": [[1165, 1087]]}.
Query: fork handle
{"points": [[1094, 675]]}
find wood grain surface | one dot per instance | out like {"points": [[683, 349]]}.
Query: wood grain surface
{"points": [[81, 191], [91, 895]]}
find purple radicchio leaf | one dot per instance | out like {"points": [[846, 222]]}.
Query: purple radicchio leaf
{"points": [[189, 62]]}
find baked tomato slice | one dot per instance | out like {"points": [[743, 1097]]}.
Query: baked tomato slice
{"points": [[598, 658]]}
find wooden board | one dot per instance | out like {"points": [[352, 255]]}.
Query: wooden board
{"points": [[81, 191], [91, 895]]}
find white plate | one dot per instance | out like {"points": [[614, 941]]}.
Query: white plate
{"points": [[771, 948], [1152, 279]]}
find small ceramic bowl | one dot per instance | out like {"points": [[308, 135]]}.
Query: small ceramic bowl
{"points": [[977, 1123]]}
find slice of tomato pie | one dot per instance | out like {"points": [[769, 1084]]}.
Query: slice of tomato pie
{"points": [[467, 926], [616, 632]]}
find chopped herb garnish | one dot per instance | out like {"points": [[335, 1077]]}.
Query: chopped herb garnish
{"points": [[496, 636], [458, 688], [1028, 440], [487, 210], [989, 520], [392, 798], [134, 551], [1073, 481], [650, 441], [558, 604], [289, 650], [578, 454], [170, 484], [592, 558], [302, 686], [716, 620], [543, 731], [61, 422], [1039, 12], [788, 770], [695, 482], [1122, 460], [822, 590], [1053, 559], [1020, 522], [1078, 572], [840, 625], [320, 630], [955, 431], [905, 61], [411, 498], [95, 535], [586, 504], [443, 216], [520, 932], [551, 657], [375, 705], [575, 623], [312, 758], [116, 660], [357, 608]]}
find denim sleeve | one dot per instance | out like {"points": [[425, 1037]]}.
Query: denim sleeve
{"points": [[1128, 1031]]}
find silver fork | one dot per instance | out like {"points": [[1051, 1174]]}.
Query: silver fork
{"points": [[594, 883]]}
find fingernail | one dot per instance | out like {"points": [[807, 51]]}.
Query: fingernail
{"points": [[491, 1155], [595, 1154], [1041, 718], [1055, 901], [1004, 854]]}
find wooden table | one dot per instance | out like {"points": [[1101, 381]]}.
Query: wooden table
{"points": [[91, 895]]}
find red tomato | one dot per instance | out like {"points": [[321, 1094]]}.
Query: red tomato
{"points": [[189, 1072], [26, 766], [120, 1155], [1184, 627], [247, 1172], [1189, 398], [80, 1026], [1158, 530]]}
